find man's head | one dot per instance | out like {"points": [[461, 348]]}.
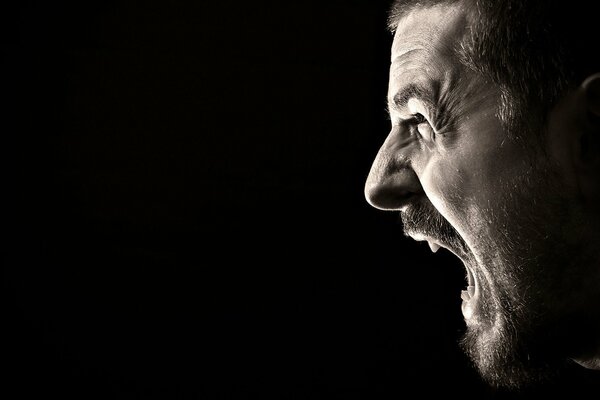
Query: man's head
{"points": [[494, 154]]}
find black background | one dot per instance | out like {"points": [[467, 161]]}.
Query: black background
{"points": [[187, 218]]}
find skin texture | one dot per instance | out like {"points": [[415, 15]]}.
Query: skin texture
{"points": [[517, 215]]}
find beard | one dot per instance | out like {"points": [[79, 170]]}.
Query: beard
{"points": [[531, 265]]}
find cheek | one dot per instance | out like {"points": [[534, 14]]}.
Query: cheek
{"points": [[444, 185], [460, 189]]}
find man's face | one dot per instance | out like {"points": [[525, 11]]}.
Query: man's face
{"points": [[463, 183]]}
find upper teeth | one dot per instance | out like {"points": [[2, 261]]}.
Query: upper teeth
{"points": [[433, 246]]}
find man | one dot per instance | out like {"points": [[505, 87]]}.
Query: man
{"points": [[494, 154]]}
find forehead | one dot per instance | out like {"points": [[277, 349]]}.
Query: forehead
{"points": [[425, 40], [441, 25]]}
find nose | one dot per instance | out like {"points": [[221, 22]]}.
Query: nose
{"points": [[392, 183]]}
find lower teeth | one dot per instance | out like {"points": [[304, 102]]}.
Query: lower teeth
{"points": [[465, 295], [468, 294]]}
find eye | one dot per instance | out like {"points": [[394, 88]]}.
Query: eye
{"points": [[418, 118], [422, 126]]}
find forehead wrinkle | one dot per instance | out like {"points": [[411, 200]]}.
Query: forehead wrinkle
{"points": [[427, 55], [443, 39], [414, 78], [415, 32], [406, 44]]}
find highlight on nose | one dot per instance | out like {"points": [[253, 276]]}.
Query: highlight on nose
{"points": [[392, 191]]}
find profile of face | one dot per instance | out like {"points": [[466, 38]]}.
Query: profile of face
{"points": [[515, 213]]}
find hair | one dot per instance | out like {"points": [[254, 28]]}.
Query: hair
{"points": [[534, 50]]}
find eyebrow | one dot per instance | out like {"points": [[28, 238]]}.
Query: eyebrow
{"points": [[440, 103], [410, 91]]}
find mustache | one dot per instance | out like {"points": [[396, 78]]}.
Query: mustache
{"points": [[421, 218]]}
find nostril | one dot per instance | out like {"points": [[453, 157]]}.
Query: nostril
{"points": [[389, 197], [392, 190]]}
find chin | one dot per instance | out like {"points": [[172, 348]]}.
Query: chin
{"points": [[500, 360], [509, 347]]}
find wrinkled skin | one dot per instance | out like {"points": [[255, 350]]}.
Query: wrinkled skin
{"points": [[511, 211]]}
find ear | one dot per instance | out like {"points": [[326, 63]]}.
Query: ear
{"points": [[591, 87], [587, 144]]}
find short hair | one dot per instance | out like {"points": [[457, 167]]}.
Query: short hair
{"points": [[534, 50]]}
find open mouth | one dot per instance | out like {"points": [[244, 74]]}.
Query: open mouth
{"points": [[470, 294], [423, 223]]}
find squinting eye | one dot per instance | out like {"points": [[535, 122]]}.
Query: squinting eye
{"points": [[422, 125], [419, 118]]}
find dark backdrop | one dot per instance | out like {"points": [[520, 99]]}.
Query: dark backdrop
{"points": [[187, 218]]}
